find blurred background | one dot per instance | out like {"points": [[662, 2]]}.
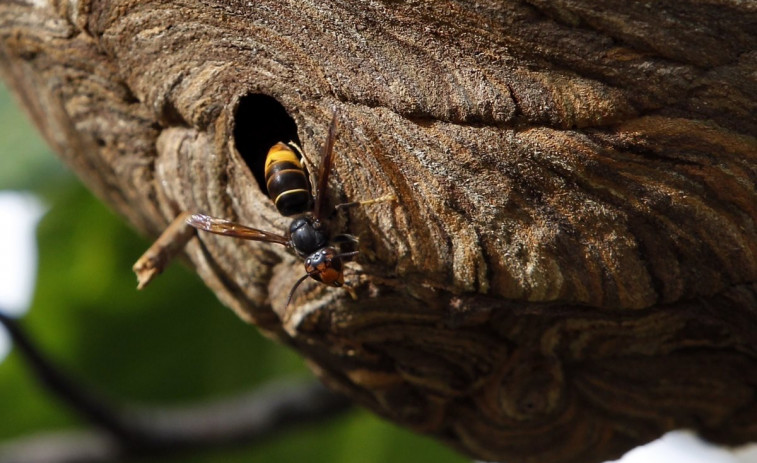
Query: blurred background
{"points": [[65, 270]]}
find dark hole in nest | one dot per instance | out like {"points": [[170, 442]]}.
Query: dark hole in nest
{"points": [[261, 122]]}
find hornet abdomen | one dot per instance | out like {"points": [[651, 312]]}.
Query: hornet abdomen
{"points": [[286, 181]]}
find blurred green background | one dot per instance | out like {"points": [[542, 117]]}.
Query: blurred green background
{"points": [[173, 343]]}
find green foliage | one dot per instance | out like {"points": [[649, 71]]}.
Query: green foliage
{"points": [[25, 160], [170, 344]]}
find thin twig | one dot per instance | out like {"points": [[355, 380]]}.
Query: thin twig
{"points": [[163, 250]]}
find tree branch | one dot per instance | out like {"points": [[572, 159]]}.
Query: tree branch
{"points": [[126, 431], [83, 401]]}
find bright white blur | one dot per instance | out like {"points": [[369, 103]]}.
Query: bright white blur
{"points": [[19, 214], [685, 447]]}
